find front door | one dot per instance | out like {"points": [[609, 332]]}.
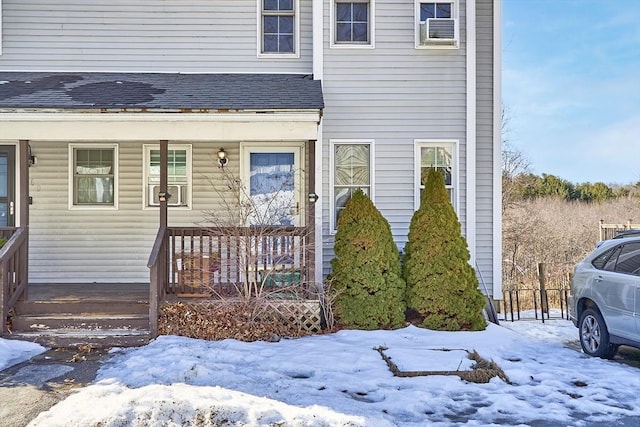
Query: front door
{"points": [[7, 185], [273, 177]]}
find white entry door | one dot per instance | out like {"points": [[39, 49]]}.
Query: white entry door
{"points": [[273, 179]]}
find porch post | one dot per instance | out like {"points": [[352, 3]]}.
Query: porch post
{"points": [[311, 207], [164, 155], [23, 267]]}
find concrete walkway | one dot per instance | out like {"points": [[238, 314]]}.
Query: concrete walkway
{"points": [[34, 386]]}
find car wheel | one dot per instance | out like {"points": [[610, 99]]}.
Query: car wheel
{"points": [[594, 336]]}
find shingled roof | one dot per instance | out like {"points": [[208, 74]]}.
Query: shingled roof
{"points": [[35, 90]]}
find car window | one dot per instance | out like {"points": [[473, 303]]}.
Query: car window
{"points": [[629, 259], [600, 261], [610, 265]]}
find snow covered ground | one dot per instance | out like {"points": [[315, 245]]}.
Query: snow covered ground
{"points": [[341, 380]]}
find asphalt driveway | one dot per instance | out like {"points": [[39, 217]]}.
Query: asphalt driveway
{"points": [[34, 386]]}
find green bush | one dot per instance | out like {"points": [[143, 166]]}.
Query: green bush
{"points": [[442, 288], [366, 275]]}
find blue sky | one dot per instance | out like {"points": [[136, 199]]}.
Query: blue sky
{"points": [[571, 87]]}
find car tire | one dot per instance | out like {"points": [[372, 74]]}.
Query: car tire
{"points": [[594, 336]]}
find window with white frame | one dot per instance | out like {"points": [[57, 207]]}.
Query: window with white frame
{"points": [[442, 157], [94, 176], [436, 23], [178, 175], [278, 27], [351, 171], [352, 22]]}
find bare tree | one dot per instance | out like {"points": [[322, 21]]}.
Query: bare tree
{"points": [[515, 166]]}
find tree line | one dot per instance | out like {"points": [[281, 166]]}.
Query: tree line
{"points": [[519, 184], [530, 186]]}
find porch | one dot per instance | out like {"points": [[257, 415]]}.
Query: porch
{"points": [[229, 263]]}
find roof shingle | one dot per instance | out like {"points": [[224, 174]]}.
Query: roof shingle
{"points": [[155, 91]]}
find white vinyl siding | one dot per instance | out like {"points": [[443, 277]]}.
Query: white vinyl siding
{"points": [[83, 246], [485, 220], [0, 27], [143, 36], [395, 95]]}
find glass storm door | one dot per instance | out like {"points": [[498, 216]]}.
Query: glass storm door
{"points": [[273, 185], [7, 185]]}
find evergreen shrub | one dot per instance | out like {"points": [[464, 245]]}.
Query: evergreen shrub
{"points": [[442, 288], [366, 272]]}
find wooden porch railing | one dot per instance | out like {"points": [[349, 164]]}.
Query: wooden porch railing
{"points": [[13, 270], [158, 278], [609, 231], [222, 260]]}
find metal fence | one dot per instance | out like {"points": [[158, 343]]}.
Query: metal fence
{"points": [[546, 304]]}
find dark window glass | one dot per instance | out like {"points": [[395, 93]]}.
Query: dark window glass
{"points": [[443, 10], [600, 261], [360, 12], [285, 25], [610, 264], [352, 22], [278, 26], [434, 10], [427, 10], [270, 24], [629, 259]]}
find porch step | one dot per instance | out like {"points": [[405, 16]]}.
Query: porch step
{"points": [[94, 321], [102, 338], [71, 320], [80, 307]]}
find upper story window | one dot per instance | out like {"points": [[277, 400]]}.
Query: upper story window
{"points": [[437, 24], [351, 171], [352, 22], [178, 175], [442, 157], [278, 28], [93, 176]]}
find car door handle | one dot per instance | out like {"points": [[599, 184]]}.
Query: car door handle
{"points": [[598, 279]]}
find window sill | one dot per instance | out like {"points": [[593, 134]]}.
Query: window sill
{"points": [[351, 46], [278, 55]]}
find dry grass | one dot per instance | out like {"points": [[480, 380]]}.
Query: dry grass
{"points": [[557, 233]]}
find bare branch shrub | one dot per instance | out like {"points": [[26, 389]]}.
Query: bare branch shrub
{"points": [[555, 232], [257, 260]]}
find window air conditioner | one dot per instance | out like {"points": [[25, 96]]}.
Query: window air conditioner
{"points": [[437, 31], [174, 190]]}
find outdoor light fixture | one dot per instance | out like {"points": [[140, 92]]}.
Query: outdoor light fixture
{"points": [[222, 158], [313, 197], [31, 159], [164, 197]]}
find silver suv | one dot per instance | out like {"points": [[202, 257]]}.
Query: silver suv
{"points": [[605, 297]]}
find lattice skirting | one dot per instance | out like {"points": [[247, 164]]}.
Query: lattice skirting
{"points": [[305, 315]]}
